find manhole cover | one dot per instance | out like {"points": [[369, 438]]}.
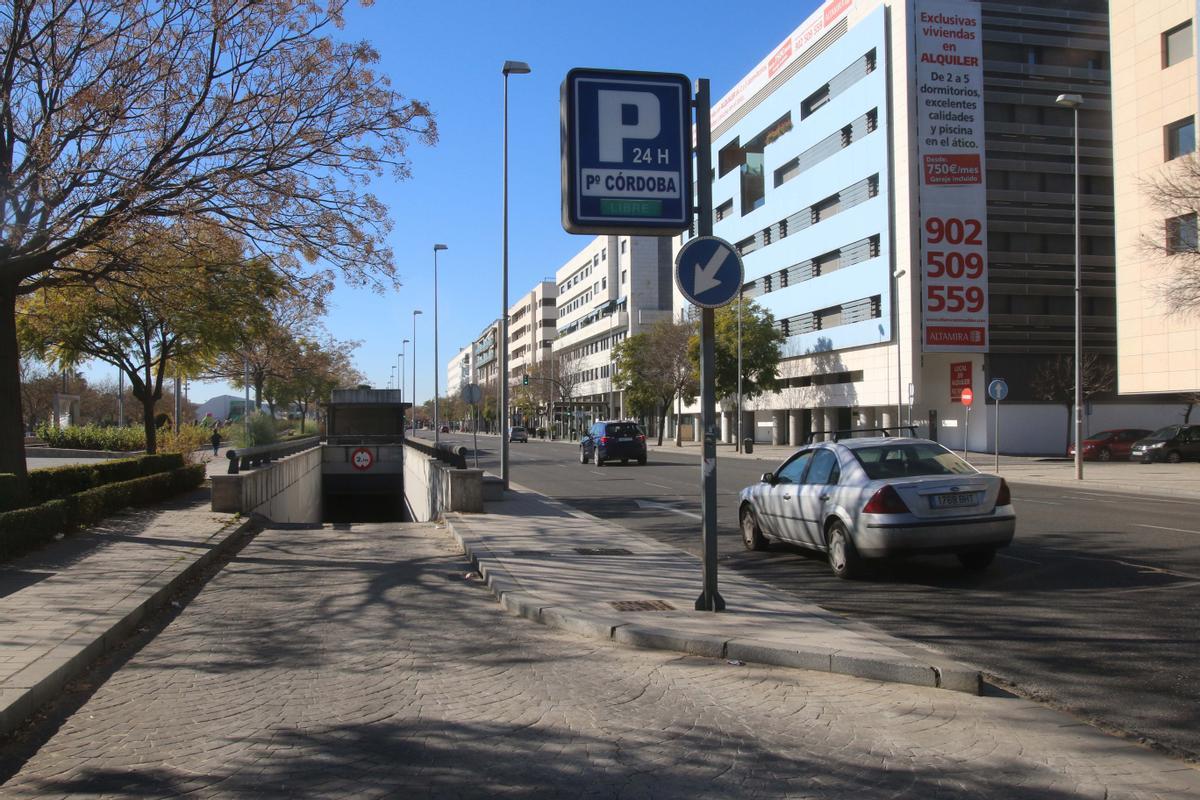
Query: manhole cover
{"points": [[642, 605], [603, 551]]}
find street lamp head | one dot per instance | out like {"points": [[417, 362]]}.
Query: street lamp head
{"points": [[437, 247], [515, 68], [417, 311], [900, 272], [1069, 100]]}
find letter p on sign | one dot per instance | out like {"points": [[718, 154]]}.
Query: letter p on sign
{"points": [[626, 115]]}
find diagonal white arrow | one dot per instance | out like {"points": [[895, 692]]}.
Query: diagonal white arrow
{"points": [[665, 507], [705, 276]]}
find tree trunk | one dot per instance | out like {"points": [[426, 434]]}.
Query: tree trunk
{"points": [[148, 423], [12, 432], [662, 421], [1187, 414], [303, 415], [1070, 412]]}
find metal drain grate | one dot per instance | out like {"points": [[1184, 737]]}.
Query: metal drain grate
{"points": [[603, 551], [641, 605]]}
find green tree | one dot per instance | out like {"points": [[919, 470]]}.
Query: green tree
{"points": [[654, 367], [189, 292], [762, 344], [316, 370], [116, 113]]}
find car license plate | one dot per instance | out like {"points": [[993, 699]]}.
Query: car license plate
{"points": [[625, 439], [956, 500]]}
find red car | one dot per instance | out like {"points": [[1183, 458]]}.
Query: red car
{"points": [[1107, 445]]}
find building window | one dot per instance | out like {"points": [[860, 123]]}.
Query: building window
{"points": [[723, 210], [623, 277], [814, 101], [1177, 44], [1180, 138], [1181, 234]]}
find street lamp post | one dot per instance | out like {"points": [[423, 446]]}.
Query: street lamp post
{"points": [[437, 428], [737, 445], [414, 372], [1073, 102], [509, 68], [401, 365], [898, 273]]}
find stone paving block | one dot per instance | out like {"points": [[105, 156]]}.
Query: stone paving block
{"points": [[577, 622], [879, 669], [668, 639], [814, 658]]}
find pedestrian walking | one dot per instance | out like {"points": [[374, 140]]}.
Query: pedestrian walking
{"points": [[216, 440]]}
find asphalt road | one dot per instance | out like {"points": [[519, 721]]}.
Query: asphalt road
{"points": [[1094, 609]]}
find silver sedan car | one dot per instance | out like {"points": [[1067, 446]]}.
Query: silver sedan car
{"points": [[878, 497]]}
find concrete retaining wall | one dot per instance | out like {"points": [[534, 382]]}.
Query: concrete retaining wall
{"points": [[432, 488], [288, 490]]}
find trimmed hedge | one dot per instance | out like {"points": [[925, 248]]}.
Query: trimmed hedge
{"points": [[60, 482], [26, 528]]}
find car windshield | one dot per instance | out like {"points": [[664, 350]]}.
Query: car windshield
{"points": [[1162, 434], [1102, 436], [518, 430], [909, 459], [622, 429]]}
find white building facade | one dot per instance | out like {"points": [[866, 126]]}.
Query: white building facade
{"points": [[613, 288], [532, 327]]}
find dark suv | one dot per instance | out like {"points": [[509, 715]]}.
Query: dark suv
{"points": [[1173, 443], [612, 440]]}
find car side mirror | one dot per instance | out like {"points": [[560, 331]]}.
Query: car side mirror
{"points": [[768, 477]]}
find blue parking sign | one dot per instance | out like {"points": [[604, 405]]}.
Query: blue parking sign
{"points": [[626, 152]]}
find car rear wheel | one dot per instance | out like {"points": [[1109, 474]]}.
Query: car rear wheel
{"points": [[1105, 454], [752, 535], [977, 560], [642, 461], [843, 558], [1174, 457]]}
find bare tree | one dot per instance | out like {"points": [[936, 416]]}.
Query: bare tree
{"points": [[1055, 380], [249, 113], [1175, 192]]}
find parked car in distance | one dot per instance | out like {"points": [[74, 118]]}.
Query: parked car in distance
{"points": [[612, 440], [518, 434], [1107, 445], [1172, 444], [879, 497]]}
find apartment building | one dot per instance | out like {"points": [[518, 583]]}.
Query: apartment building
{"points": [[899, 180], [458, 372], [1154, 100], [611, 289], [532, 326]]}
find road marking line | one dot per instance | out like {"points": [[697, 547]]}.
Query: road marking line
{"points": [[659, 485], [1164, 528], [1040, 502], [665, 507]]}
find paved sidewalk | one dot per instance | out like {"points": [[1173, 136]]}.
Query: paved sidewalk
{"points": [[62, 606], [571, 570]]}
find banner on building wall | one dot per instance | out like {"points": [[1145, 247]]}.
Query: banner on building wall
{"points": [[781, 57], [948, 83]]}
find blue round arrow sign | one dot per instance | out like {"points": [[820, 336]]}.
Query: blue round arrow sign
{"points": [[709, 272], [998, 389]]}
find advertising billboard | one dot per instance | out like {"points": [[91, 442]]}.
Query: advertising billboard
{"points": [[952, 196]]}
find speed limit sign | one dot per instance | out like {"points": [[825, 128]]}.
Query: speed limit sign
{"points": [[362, 459]]}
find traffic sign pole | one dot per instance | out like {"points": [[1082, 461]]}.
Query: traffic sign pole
{"points": [[710, 599]]}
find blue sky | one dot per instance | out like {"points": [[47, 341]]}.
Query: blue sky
{"points": [[449, 55]]}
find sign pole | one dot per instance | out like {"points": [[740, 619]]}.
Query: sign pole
{"points": [[997, 437], [966, 428], [475, 432], [710, 599]]}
